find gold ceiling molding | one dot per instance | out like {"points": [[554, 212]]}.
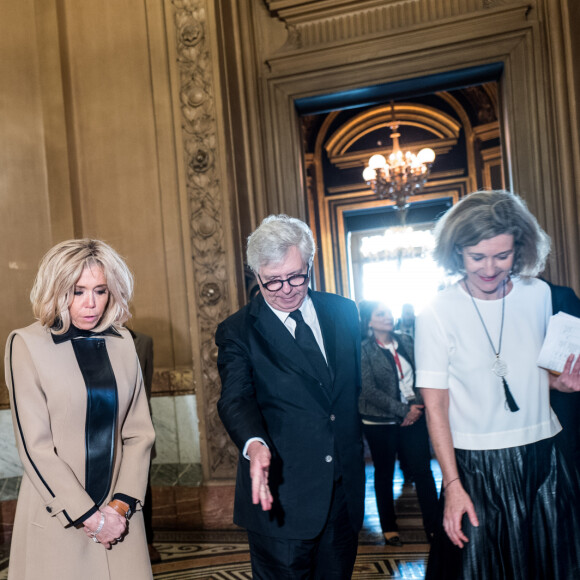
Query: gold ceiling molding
{"points": [[171, 382], [487, 132], [316, 22], [432, 120]]}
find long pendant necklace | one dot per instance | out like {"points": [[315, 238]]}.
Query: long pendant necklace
{"points": [[499, 366]]}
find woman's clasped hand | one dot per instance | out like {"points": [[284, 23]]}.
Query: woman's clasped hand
{"points": [[111, 531]]}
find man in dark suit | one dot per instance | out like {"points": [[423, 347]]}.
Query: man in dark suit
{"points": [[289, 362], [567, 405]]}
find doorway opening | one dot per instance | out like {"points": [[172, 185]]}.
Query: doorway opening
{"points": [[364, 250]]}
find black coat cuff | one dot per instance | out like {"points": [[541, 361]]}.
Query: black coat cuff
{"points": [[87, 515]]}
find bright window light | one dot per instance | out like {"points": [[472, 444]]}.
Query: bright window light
{"points": [[399, 269]]}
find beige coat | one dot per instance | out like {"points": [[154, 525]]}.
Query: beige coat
{"points": [[48, 400]]}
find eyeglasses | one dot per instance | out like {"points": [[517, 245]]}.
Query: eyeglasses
{"points": [[294, 281]]}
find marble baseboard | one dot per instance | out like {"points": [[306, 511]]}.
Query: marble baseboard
{"points": [[176, 429], [175, 508], [176, 474], [10, 465], [193, 508], [163, 475], [9, 488], [7, 514]]}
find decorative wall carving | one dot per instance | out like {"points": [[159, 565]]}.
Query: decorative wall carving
{"points": [[204, 189], [168, 382], [329, 21]]}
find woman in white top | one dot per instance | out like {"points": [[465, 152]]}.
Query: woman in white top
{"points": [[510, 507]]}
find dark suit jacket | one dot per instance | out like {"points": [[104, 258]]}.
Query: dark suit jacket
{"points": [[144, 348], [564, 299], [270, 391], [567, 405]]}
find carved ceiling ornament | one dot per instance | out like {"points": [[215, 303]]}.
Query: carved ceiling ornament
{"points": [[199, 133], [318, 22]]}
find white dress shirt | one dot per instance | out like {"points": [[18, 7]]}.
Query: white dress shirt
{"points": [[309, 314]]}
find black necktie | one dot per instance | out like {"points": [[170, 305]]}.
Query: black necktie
{"points": [[307, 343]]}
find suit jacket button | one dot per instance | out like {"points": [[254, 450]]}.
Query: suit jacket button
{"points": [[48, 509], [332, 417], [328, 458]]}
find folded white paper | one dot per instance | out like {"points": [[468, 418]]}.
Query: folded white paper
{"points": [[562, 339]]}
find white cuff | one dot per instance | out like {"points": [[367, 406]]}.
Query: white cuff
{"points": [[251, 440]]}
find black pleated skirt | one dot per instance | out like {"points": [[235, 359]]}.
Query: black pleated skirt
{"points": [[527, 501]]}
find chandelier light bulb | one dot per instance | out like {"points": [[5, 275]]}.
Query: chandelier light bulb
{"points": [[369, 174], [377, 162], [426, 155]]}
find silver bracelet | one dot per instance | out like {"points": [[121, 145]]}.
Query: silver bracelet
{"points": [[100, 526]]}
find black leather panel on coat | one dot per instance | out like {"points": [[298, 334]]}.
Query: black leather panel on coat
{"points": [[101, 418]]}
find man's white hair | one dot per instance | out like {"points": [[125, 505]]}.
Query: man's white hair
{"points": [[272, 239]]}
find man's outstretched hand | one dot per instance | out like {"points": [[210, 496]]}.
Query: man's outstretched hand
{"points": [[259, 467]]}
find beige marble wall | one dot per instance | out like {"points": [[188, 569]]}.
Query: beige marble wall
{"points": [[87, 148], [176, 429], [168, 128], [176, 456], [25, 211]]}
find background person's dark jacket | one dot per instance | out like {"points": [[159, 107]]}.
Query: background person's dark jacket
{"points": [[567, 405], [381, 397]]}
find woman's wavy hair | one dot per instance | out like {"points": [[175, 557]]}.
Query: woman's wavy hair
{"points": [[484, 215], [59, 271]]}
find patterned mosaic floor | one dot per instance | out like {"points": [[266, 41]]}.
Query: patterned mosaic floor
{"points": [[223, 559], [223, 555]]}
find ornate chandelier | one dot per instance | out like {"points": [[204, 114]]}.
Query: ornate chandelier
{"points": [[402, 174]]}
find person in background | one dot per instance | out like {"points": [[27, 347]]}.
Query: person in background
{"points": [[289, 363], [567, 405], [392, 414], [144, 348], [81, 422], [510, 505], [406, 324]]}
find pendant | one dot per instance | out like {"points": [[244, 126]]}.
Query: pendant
{"points": [[499, 367]]}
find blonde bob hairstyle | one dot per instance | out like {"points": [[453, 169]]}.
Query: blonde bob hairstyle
{"points": [[59, 271], [484, 215]]}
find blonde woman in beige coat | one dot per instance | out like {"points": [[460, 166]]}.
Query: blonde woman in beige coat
{"points": [[81, 421]]}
